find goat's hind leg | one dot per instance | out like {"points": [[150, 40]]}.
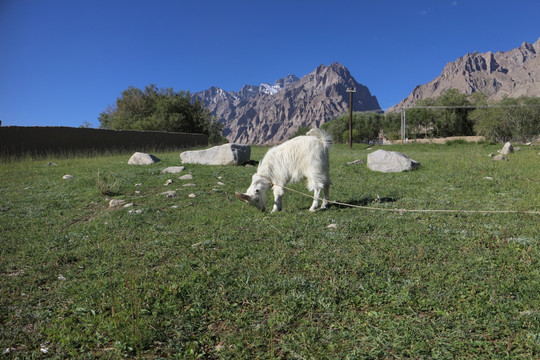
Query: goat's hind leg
{"points": [[316, 194], [326, 196]]}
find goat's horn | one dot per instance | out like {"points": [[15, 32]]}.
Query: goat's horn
{"points": [[242, 197]]}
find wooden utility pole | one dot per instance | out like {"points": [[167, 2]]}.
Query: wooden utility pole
{"points": [[351, 91]]}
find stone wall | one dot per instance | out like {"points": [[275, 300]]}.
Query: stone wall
{"points": [[18, 140]]}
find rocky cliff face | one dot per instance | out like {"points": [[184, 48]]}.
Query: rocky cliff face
{"points": [[269, 114], [513, 73]]}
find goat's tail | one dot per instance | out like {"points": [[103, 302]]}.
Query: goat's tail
{"points": [[320, 134]]}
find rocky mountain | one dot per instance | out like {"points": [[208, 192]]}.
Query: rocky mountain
{"points": [[269, 114], [512, 73]]}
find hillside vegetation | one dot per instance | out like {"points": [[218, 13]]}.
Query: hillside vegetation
{"points": [[206, 276]]}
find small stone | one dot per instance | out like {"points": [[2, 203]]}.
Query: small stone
{"points": [[174, 207], [128, 205], [491, 155], [192, 195], [488, 178], [61, 277], [500, 157], [137, 192], [220, 183], [138, 211], [186, 177], [67, 177], [52, 164], [138, 184], [332, 226], [116, 202], [356, 162], [170, 194], [173, 170], [168, 182], [190, 184], [507, 149]]}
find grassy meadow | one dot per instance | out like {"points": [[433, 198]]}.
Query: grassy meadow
{"points": [[210, 277]]}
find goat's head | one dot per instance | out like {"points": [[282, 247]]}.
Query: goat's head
{"points": [[256, 193]]}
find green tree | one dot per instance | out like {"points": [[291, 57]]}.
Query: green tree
{"points": [[508, 119], [365, 126], [160, 110]]}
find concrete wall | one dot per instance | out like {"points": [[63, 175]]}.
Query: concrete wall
{"points": [[17, 140]]}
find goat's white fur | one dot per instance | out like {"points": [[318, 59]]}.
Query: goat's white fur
{"points": [[298, 158]]}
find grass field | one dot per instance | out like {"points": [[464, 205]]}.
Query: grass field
{"points": [[210, 277]]}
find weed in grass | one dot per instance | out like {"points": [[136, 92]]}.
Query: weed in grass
{"points": [[107, 185]]}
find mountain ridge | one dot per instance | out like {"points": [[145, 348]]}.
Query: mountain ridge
{"points": [[269, 114], [512, 73]]}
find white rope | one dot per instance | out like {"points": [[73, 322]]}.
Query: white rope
{"points": [[401, 211]]}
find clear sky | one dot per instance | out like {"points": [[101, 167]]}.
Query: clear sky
{"points": [[62, 62]]}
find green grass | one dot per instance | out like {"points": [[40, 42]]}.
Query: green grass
{"points": [[211, 277]]}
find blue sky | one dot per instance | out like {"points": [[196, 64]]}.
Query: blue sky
{"points": [[62, 62]]}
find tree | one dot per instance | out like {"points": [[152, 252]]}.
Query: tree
{"points": [[509, 119], [160, 110]]}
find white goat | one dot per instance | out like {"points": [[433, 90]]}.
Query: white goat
{"points": [[298, 158]]}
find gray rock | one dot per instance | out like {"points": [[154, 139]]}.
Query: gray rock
{"points": [[67, 177], [390, 161], [500, 157], [116, 202], [186, 177], [356, 162], [228, 154], [507, 149], [170, 194], [173, 170], [142, 159]]}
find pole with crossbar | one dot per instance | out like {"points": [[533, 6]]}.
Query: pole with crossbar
{"points": [[350, 91]]}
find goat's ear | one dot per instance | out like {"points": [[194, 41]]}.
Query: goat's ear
{"points": [[242, 197]]}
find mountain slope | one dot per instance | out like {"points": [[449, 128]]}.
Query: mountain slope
{"points": [[512, 73], [269, 114]]}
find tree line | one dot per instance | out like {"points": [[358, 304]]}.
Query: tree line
{"points": [[451, 114]]}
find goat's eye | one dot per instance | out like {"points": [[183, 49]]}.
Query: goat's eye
{"points": [[257, 190]]}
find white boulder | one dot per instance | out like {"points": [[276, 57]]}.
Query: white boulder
{"points": [[228, 154], [390, 161], [142, 159]]}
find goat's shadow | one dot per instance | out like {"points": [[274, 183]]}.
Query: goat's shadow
{"points": [[362, 202]]}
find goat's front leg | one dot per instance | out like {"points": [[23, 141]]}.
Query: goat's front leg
{"points": [[316, 195], [278, 195]]}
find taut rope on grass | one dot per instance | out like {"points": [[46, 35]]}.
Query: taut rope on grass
{"points": [[401, 211]]}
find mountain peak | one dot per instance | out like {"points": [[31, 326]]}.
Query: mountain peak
{"points": [[512, 73], [269, 114]]}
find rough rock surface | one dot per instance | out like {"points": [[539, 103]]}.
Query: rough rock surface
{"points": [[390, 161], [227, 154], [269, 114], [513, 73], [142, 159], [507, 149]]}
